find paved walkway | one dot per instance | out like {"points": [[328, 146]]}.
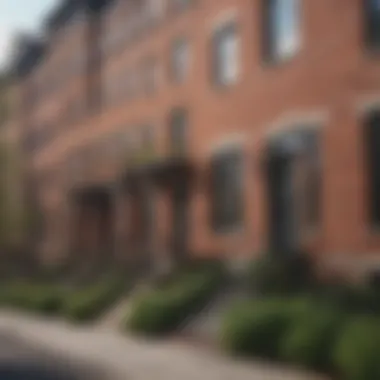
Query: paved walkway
{"points": [[135, 359]]}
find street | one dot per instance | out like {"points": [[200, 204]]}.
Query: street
{"points": [[19, 361]]}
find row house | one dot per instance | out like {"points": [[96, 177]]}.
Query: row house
{"points": [[166, 129]]}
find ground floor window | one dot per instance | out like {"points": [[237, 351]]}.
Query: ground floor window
{"points": [[226, 192], [372, 148], [312, 185]]}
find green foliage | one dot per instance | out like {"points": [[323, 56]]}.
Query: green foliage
{"points": [[281, 274], [46, 298], [257, 328], [310, 339], [40, 298], [88, 303], [164, 309], [356, 353]]}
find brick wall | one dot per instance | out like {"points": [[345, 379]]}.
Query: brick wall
{"points": [[328, 83]]}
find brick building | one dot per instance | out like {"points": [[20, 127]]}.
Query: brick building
{"points": [[163, 128]]}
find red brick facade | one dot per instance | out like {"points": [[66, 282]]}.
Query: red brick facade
{"points": [[330, 84]]}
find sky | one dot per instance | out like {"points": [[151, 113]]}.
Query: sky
{"points": [[21, 15]]}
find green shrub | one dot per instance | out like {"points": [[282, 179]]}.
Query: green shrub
{"points": [[44, 298], [163, 310], [88, 303], [257, 328], [281, 274], [310, 338], [357, 352]]}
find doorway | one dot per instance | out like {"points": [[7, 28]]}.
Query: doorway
{"points": [[180, 224], [293, 174]]}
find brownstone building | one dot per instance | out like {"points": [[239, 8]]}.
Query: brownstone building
{"points": [[165, 128]]}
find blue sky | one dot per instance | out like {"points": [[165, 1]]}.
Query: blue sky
{"points": [[19, 15]]}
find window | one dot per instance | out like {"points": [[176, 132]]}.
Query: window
{"points": [[226, 55], [180, 60], [282, 31], [372, 141], [226, 178], [306, 178], [373, 23], [178, 126]]}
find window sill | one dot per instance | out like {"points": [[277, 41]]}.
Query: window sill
{"points": [[275, 62], [224, 87]]}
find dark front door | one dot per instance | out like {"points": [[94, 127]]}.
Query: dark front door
{"points": [[282, 231], [180, 208], [143, 227], [284, 192]]}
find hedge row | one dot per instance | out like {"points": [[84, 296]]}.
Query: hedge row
{"points": [[166, 308], [79, 304], [33, 297], [306, 333], [90, 302]]}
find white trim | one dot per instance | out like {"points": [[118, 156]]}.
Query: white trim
{"points": [[297, 121], [368, 103], [224, 17], [228, 142]]}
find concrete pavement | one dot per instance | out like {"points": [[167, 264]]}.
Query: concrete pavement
{"points": [[22, 361], [136, 359]]}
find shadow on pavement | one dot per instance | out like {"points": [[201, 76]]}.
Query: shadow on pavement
{"points": [[15, 371]]}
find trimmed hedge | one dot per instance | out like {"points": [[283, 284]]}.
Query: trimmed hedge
{"points": [[163, 310], [46, 299], [258, 327], [356, 353], [310, 339], [78, 304], [86, 304]]}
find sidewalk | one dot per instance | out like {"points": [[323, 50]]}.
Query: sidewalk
{"points": [[134, 359]]}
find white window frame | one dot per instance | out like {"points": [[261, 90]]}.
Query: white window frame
{"points": [[285, 21], [226, 76]]}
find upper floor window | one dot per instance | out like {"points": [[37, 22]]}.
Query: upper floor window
{"points": [[282, 28], [226, 55], [180, 60], [373, 23], [178, 128]]}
